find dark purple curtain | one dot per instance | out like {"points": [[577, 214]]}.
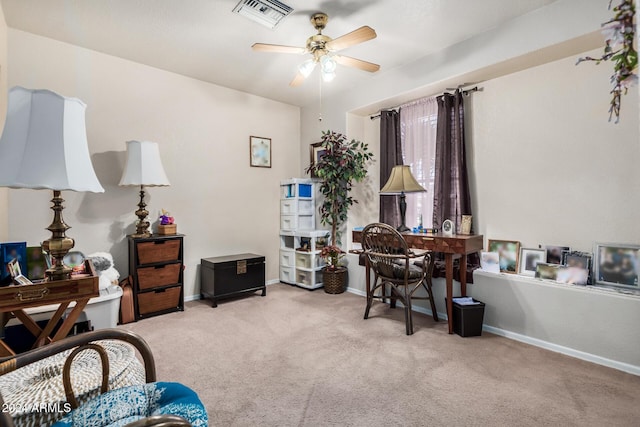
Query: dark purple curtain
{"points": [[451, 198], [390, 156]]}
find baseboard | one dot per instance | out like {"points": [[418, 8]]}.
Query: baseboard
{"points": [[621, 366]]}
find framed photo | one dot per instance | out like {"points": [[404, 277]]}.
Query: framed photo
{"points": [[316, 151], [36, 263], [555, 254], [577, 260], [260, 152], [14, 268], [547, 271], [13, 251], [529, 259], [617, 265], [509, 253], [22, 280], [572, 275], [490, 262]]}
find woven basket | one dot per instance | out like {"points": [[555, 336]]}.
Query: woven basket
{"points": [[334, 280]]}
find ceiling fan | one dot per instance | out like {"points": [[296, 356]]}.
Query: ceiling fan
{"points": [[323, 49]]}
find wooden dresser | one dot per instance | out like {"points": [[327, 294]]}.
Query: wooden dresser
{"points": [[156, 264]]}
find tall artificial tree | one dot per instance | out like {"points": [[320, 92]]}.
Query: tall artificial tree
{"points": [[342, 164]]}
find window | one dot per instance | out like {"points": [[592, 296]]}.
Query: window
{"points": [[418, 125]]}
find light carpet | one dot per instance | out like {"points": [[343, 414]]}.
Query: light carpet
{"points": [[307, 358]]}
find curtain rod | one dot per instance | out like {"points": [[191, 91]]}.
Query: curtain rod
{"points": [[465, 92]]}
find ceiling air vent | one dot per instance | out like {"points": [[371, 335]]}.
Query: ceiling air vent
{"points": [[266, 12]]}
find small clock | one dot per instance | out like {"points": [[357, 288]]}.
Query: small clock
{"points": [[447, 227]]}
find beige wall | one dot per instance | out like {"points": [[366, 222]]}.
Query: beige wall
{"points": [[4, 193], [547, 165], [220, 203]]}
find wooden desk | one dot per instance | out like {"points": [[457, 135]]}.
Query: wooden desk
{"points": [[459, 244], [15, 299]]}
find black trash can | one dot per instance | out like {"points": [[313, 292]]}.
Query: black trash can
{"points": [[467, 318]]}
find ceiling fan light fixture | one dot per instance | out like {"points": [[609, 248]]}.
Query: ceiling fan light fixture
{"points": [[307, 67], [328, 64], [328, 76]]}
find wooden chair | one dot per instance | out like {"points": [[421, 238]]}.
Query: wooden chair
{"points": [[95, 408], [394, 264]]}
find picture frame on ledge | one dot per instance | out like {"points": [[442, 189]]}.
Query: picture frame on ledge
{"points": [[617, 265], [259, 152], [556, 254], [509, 252], [529, 259]]}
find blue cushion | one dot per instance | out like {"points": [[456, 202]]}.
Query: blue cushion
{"points": [[128, 404]]}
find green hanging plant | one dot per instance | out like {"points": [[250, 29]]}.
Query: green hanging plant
{"points": [[620, 34], [342, 164]]}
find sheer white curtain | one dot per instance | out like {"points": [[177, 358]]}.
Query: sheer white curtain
{"points": [[418, 125]]}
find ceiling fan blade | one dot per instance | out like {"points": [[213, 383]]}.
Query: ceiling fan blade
{"points": [[356, 63], [360, 35], [297, 80], [262, 47]]}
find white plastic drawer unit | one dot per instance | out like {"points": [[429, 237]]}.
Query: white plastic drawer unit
{"points": [[308, 260], [305, 207], [288, 207], [306, 222], [288, 222], [287, 258], [288, 275], [308, 278], [296, 207]]}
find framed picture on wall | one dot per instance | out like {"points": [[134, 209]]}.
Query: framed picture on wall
{"points": [[316, 151], [260, 152], [509, 253]]}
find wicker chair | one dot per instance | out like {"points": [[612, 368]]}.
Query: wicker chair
{"points": [[394, 264], [127, 397]]}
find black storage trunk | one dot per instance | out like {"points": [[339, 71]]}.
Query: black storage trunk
{"points": [[467, 319], [232, 275]]}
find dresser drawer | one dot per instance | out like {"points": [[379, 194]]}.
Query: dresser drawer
{"points": [[161, 275], [159, 300], [158, 251]]}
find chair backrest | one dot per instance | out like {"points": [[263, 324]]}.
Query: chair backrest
{"points": [[384, 246]]}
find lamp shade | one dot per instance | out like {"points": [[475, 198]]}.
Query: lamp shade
{"points": [[143, 166], [44, 143], [401, 181]]}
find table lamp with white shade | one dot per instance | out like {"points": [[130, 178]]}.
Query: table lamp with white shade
{"points": [[401, 181], [44, 146], [144, 169]]}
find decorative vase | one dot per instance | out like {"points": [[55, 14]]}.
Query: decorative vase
{"points": [[334, 280]]}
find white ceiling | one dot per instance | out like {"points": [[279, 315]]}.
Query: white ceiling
{"points": [[205, 40]]}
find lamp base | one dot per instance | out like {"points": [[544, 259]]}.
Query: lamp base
{"points": [[59, 244], [402, 228], [142, 226], [403, 211]]}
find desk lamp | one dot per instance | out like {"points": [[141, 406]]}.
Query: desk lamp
{"points": [[143, 168], [401, 181], [44, 146]]}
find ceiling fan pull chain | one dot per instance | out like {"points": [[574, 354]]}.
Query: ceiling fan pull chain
{"points": [[320, 113]]}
